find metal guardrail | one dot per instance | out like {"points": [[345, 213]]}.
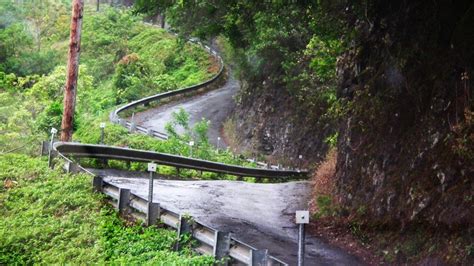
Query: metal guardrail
{"points": [[108, 152], [210, 241], [223, 246], [115, 118]]}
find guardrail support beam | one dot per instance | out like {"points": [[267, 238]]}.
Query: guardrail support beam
{"points": [[222, 246], [97, 183], [71, 167], [259, 257], [123, 200], [153, 213], [183, 228]]}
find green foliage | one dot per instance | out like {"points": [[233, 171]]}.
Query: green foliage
{"points": [[25, 37], [325, 206], [180, 134], [323, 53], [40, 214], [131, 79], [50, 117], [357, 230], [105, 40], [51, 218], [47, 217], [292, 46]]}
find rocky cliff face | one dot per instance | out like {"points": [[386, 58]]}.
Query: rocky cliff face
{"points": [[269, 123], [406, 143]]}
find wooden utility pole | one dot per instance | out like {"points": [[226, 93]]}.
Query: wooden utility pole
{"points": [[72, 70]]}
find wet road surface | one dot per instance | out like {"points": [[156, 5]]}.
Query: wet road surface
{"points": [[261, 215], [215, 106]]}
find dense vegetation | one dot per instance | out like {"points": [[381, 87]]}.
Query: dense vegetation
{"points": [[121, 60], [49, 217]]}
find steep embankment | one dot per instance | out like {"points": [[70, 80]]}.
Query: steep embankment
{"points": [[406, 139], [406, 143]]}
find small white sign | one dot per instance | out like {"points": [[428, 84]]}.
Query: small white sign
{"points": [[191, 143], [302, 217], [151, 167], [102, 125], [301, 156], [54, 131]]}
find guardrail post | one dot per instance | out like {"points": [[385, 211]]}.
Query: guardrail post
{"points": [[123, 200], [222, 246], [153, 213], [44, 147], [71, 167], [122, 122], [183, 228], [259, 257], [132, 123], [97, 183], [149, 132]]}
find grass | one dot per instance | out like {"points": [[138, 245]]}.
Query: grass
{"points": [[47, 217]]}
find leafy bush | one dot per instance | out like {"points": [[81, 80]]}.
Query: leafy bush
{"points": [[131, 79]]}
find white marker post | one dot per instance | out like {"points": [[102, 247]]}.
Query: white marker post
{"points": [[53, 132], [301, 161], [218, 141], [302, 218], [102, 128], [152, 169], [191, 144]]}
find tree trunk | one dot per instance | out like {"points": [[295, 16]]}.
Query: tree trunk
{"points": [[72, 70]]}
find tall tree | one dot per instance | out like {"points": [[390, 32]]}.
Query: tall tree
{"points": [[72, 70]]}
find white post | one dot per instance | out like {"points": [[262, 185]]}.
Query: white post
{"points": [[152, 169], [301, 161], [302, 218], [53, 132], [218, 141], [191, 144], [102, 128]]}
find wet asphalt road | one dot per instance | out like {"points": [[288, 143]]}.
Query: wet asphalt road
{"points": [[214, 106], [261, 215]]}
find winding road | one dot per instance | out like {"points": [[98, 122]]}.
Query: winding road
{"points": [[215, 106], [261, 215]]}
